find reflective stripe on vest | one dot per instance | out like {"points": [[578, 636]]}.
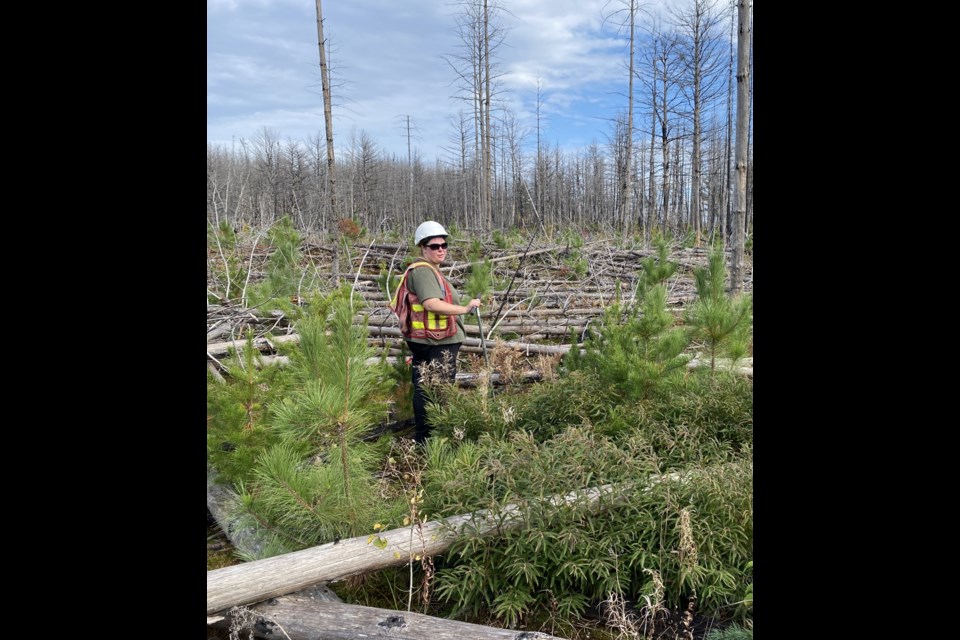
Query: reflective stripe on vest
{"points": [[434, 321]]}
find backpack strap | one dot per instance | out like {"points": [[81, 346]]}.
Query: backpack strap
{"points": [[424, 263]]}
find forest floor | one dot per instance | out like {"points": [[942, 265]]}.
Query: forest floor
{"points": [[573, 299]]}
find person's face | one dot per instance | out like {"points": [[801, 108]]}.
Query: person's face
{"points": [[435, 249]]}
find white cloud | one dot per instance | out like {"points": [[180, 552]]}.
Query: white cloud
{"points": [[386, 63]]}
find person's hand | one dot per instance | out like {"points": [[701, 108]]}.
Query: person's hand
{"points": [[473, 304]]}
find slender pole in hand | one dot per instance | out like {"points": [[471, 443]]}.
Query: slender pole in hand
{"points": [[483, 342]]}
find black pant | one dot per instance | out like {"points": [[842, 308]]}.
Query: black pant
{"points": [[423, 354]]}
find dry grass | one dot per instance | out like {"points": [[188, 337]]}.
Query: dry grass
{"points": [[509, 363], [243, 619]]}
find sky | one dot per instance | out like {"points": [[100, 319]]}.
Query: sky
{"points": [[387, 63]]}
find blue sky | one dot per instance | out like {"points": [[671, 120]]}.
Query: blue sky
{"points": [[263, 70]]}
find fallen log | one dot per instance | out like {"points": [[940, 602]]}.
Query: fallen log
{"points": [[219, 349], [223, 348], [222, 503], [463, 265], [305, 600], [261, 579], [744, 365], [307, 618], [528, 347], [472, 345], [463, 379]]}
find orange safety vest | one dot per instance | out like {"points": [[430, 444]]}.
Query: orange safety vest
{"points": [[417, 322]]}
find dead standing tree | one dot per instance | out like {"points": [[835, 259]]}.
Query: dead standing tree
{"points": [[328, 126], [631, 7], [487, 155], [660, 80], [666, 107], [481, 36], [743, 119], [702, 65]]}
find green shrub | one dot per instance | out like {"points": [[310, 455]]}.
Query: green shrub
{"points": [[236, 410], [475, 250], [221, 236], [306, 501], [733, 632], [723, 323], [317, 483], [719, 407], [695, 533], [387, 281], [397, 383], [479, 279], [635, 351], [284, 277], [572, 238], [701, 420], [226, 266], [654, 271]]}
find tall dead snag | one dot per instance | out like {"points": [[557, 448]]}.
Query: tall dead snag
{"points": [[328, 126], [487, 155], [743, 120], [698, 23], [626, 176]]}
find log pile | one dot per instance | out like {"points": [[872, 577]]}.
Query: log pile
{"points": [[543, 305]]}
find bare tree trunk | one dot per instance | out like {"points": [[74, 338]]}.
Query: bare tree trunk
{"points": [[410, 166], [695, 175], [487, 170], [743, 118], [464, 177], [328, 126], [652, 207], [677, 188], [701, 58], [478, 132], [748, 212], [728, 184], [537, 176], [625, 187], [639, 189], [665, 152]]}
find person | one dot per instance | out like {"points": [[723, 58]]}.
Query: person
{"points": [[424, 302]]}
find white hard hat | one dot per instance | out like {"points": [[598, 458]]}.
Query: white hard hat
{"points": [[429, 229]]}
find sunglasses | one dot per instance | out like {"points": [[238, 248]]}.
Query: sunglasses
{"points": [[436, 247]]}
